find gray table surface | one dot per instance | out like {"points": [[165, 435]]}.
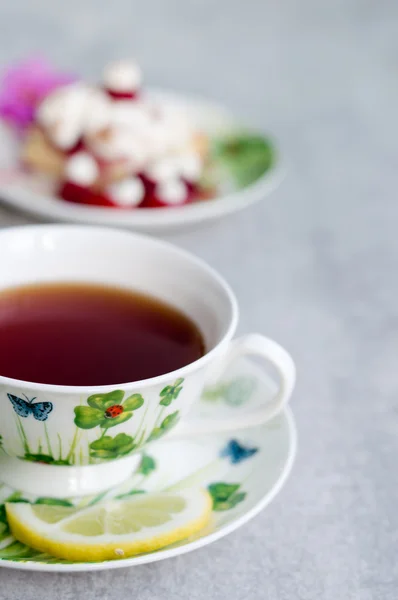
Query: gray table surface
{"points": [[313, 266]]}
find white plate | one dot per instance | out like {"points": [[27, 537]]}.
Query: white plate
{"points": [[251, 473], [33, 196]]}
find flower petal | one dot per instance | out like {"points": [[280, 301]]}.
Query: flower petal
{"points": [[23, 86], [87, 417], [107, 423]]}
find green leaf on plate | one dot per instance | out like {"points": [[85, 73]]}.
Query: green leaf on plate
{"points": [[132, 493], [53, 501], [225, 495], [247, 156], [147, 465]]}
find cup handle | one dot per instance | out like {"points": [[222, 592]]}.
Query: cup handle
{"points": [[249, 345]]}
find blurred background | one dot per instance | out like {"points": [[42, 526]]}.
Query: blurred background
{"points": [[313, 266]]}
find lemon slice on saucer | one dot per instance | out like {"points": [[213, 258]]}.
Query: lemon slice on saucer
{"points": [[111, 529]]}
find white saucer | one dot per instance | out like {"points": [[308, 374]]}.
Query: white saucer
{"points": [[245, 471], [34, 196]]}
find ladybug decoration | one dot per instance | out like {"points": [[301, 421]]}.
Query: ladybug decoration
{"points": [[114, 411]]}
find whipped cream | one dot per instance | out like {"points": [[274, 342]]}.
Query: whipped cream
{"points": [[62, 114], [189, 166], [122, 76], [82, 169], [98, 112], [162, 169], [114, 144], [172, 191], [128, 192]]}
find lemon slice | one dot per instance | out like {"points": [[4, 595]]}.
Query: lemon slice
{"points": [[112, 529]]}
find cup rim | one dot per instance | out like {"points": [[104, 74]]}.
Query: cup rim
{"points": [[143, 383]]}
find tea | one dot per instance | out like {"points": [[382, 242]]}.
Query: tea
{"points": [[80, 334]]}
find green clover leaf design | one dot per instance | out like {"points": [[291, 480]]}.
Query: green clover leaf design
{"points": [[53, 501], [168, 423], [225, 495], [107, 410], [44, 458], [147, 465], [171, 392], [109, 447], [131, 493]]}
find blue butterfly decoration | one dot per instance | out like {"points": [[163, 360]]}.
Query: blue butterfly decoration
{"points": [[24, 408], [236, 452]]}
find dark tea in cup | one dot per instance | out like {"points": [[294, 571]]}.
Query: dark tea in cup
{"points": [[83, 334]]}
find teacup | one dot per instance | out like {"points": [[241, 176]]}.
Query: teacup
{"points": [[61, 455]]}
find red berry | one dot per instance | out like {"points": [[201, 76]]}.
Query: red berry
{"points": [[122, 95], [71, 192], [79, 146]]}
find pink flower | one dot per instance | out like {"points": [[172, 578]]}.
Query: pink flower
{"points": [[24, 86]]}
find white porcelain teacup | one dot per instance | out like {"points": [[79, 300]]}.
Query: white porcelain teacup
{"points": [[62, 455]]}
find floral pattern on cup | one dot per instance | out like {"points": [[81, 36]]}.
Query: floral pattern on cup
{"points": [[100, 412]]}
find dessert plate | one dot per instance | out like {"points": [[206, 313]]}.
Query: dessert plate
{"points": [[243, 473], [245, 165]]}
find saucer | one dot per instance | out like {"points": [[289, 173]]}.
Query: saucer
{"points": [[242, 471], [241, 180]]}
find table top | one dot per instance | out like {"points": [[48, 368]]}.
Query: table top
{"points": [[313, 267]]}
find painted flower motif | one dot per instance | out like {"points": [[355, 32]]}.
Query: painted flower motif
{"points": [[24, 86], [171, 392], [225, 495], [236, 452], [107, 410], [168, 423], [108, 447]]}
